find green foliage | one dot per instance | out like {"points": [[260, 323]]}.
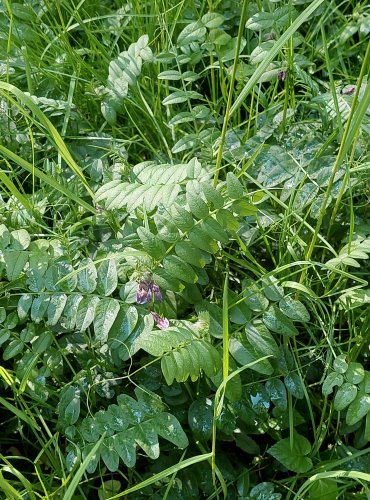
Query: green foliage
{"points": [[293, 455], [184, 250], [123, 72], [123, 427]]}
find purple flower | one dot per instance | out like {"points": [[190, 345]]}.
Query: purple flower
{"points": [[146, 290], [282, 75], [144, 294], [349, 90], [162, 323], [157, 292]]}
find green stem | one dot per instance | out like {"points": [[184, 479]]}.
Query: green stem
{"points": [[230, 93], [353, 123]]}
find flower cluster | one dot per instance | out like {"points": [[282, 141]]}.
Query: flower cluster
{"points": [[148, 291]]}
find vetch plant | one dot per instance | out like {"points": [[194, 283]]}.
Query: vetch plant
{"points": [[184, 244]]}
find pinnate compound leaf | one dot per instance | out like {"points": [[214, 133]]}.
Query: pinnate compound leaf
{"points": [[151, 185], [107, 279], [190, 360], [294, 309], [123, 72], [150, 173], [183, 355], [293, 458], [163, 341], [105, 314], [133, 195]]}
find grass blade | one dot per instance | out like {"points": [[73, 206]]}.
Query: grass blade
{"points": [[274, 51]]}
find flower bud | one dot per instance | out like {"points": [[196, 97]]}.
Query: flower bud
{"points": [[162, 323], [144, 294], [157, 292]]}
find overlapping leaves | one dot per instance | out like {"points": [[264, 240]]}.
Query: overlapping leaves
{"points": [[127, 425]]}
